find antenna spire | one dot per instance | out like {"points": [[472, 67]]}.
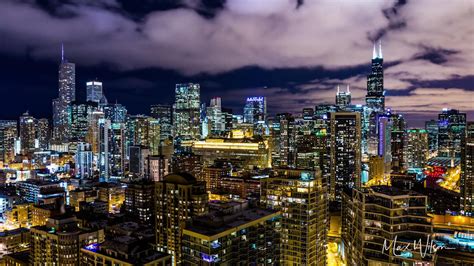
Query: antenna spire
{"points": [[337, 89], [374, 52], [348, 90], [380, 48], [62, 52]]}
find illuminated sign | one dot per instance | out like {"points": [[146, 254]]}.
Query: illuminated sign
{"points": [[255, 99]]}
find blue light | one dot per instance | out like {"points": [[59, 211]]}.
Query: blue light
{"points": [[406, 254], [92, 247]]}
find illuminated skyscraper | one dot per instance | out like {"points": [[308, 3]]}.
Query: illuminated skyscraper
{"points": [[94, 91], [111, 149], [451, 131], [67, 94], [384, 140], [117, 113], [432, 129], [398, 142], [27, 133], [215, 117], [343, 98], [8, 133], [255, 110], [162, 113], [284, 141], [375, 98], [467, 172], [301, 197], [79, 117], [187, 115], [345, 152], [83, 160], [179, 197], [43, 133], [417, 148]]}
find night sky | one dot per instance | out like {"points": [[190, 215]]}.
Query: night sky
{"points": [[293, 52]]}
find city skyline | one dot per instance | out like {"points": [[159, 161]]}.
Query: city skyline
{"points": [[420, 79]]}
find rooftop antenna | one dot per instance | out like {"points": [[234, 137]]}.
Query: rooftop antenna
{"points": [[380, 48], [62, 52], [348, 90], [337, 89]]}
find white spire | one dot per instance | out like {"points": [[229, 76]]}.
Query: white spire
{"points": [[348, 90], [62, 52], [380, 48], [337, 89], [374, 53]]}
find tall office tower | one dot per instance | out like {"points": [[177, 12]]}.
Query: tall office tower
{"points": [[93, 134], [345, 152], [27, 133], [154, 138], [384, 140], [187, 112], [255, 110], [138, 160], [249, 237], [451, 131], [397, 142], [59, 241], [94, 91], [111, 149], [301, 197], [215, 117], [308, 113], [378, 220], [163, 114], [179, 197], [284, 141], [158, 167], [227, 120], [467, 172], [8, 133], [143, 130], [343, 98], [79, 117], [43, 133], [431, 127], [375, 98], [323, 110], [140, 200], [417, 150], [83, 160], [116, 113], [67, 94]]}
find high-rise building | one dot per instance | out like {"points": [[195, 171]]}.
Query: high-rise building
{"points": [[94, 91], [431, 127], [138, 160], [83, 160], [116, 113], [375, 98], [215, 117], [179, 197], [376, 221], [255, 110], [345, 152], [343, 98], [67, 94], [417, 149], [43, 133], [162, 113], [467, 172], [301, 197], [111, 149], [398, 142], [140, 200], [242, 237], [284, 140], [451, 131], [59, 241], [8, 134], [158, 167], [187, 112], [308, 113], [79, 117], [27, 133], [385, 140]]}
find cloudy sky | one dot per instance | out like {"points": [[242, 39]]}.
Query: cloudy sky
{"points": [[295, 52]]}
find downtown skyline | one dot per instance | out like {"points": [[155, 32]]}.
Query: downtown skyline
{"points": [[431, 72]]}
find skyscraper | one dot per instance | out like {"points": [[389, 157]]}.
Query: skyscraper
{"points": [[94, 91], [27, 133], [417, 148], [343, 98], [467, 172], [255, 110], [375, 98], [431, 127], [451, 131], [284, 141], [179, 197], [8, 134], [83, 160], [187, 115], [301, 196], [345, 152], [215, 117], [79, 117], [43, 133], [67, 94], [397, 142], [163, 114]]}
